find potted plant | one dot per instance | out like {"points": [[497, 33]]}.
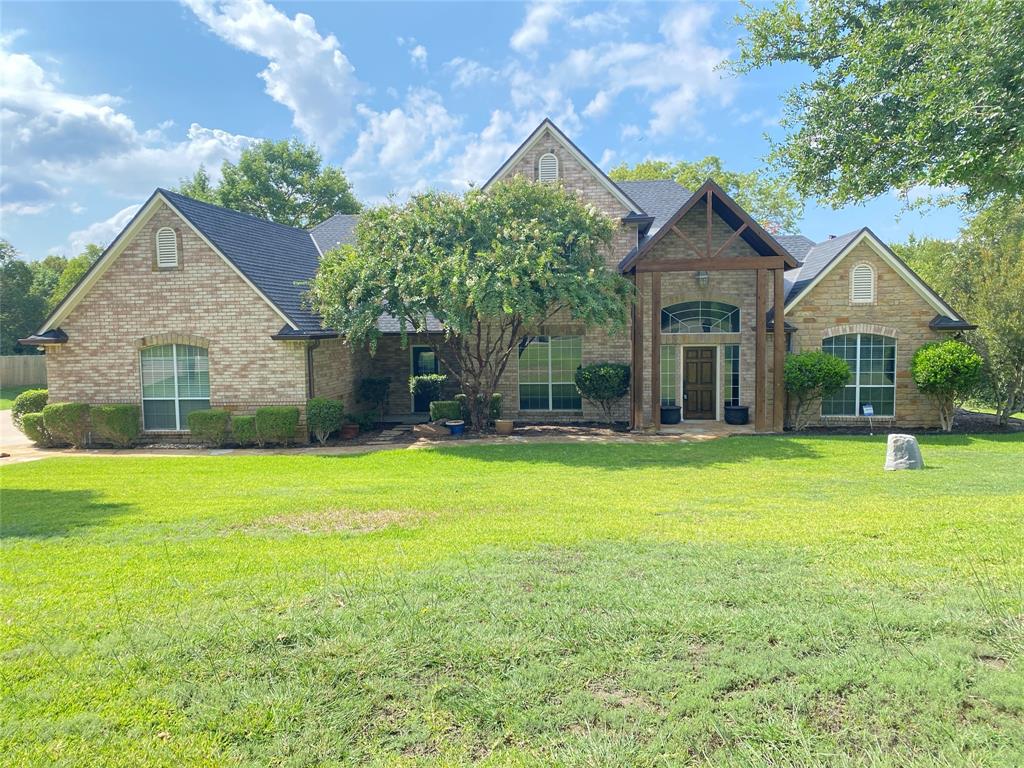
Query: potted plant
{"points": [[671, 414], [349, 429], [737, 414]]}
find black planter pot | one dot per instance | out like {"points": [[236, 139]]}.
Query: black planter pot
{"points": [[671, 414], [737, 414]]}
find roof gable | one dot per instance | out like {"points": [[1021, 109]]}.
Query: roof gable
{"points": [[340, 229]]}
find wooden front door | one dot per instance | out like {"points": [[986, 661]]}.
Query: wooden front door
{"points": [[699, 382]]}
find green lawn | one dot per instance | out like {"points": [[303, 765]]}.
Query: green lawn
{"points": [[749, 601], [7, 395]]}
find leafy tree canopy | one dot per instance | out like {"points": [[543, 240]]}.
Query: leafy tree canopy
{"points": [[948, 371], [771, 201], [490, 267], [21, 310], [284, 181], [903, 93]]}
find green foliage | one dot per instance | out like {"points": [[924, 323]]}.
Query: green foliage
{"points": [[243, 430], [603, 384], [210, 427], [34, 427], [73, 272], [493, 411], [949, 372], [323, 417], [29, 401], [772, 201], [373, 391], [117, 424], [67, 422], [903, 94], [427, 385], [445, 409], [284, 181], [810, 376], [487, 266], [278, 424], [366, 420], [21, 310]]}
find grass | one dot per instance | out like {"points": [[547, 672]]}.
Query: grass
{"points": [[7, 395], [749, 601], [987, 409]]}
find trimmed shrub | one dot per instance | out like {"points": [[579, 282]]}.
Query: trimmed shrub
{"points": [[277, 424], [210, 427], [324, 416], [67, 422], [603, 384], [949, 372], [367, 420], [445, 409], [116, 424], [427, 385], [243, 430], [29, 401], [493, 412], [810, 376], [35, 430], [463, 400], [374, 392]]}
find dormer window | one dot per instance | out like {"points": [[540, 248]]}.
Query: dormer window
{"points": [[166, 248], [862, 284], [547, 168]]}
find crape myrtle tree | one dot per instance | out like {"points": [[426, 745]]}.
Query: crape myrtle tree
{"points": [[491, 267]]}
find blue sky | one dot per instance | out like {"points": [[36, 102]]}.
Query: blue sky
{"points": [[103, 102]]}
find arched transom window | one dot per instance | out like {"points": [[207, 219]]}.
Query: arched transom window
{"points": [[700, 317], [175, 382]]}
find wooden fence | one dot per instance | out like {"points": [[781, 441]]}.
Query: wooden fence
{"points": [[23, 370]]}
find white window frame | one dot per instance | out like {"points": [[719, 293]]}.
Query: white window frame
{"points": [[176, 399], [856, 381], [161, 234], [550, 383], [551, 157], [854, 298]]}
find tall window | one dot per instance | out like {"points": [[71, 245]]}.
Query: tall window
{"points": [[700, 317], [669, 374], [872, 361], [732, 374], [547, 373], [175, 382]]}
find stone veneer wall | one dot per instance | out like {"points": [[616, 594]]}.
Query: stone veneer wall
{"points": [[202, 301], [898, 311]]}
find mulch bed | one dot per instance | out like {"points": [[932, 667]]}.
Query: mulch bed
{"points": [[966, 423]]}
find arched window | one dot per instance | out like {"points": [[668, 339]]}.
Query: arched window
{"points": [[547, 168], [872, 361], [175, 382], [166, 248], [700, 317], [862, 284]]}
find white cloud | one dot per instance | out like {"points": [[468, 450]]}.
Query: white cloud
{"points": [[306, 72], [536, 27], [418, 56], [482, 154], [467, 72], [102, 232], [607, 158]]}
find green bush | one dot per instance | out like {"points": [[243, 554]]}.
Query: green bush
{"points": [[949, 372], [374, 392], [603, 384], [427, 385], [367, 420], [67, 422], [445, 409], [243, 430], [35, 430], [277, 424], [116, 424], [210, 427], [29, 401], [810, 376], [493, 412], [324, 416]]}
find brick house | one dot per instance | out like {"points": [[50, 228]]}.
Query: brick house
{"points": [[195, 306]]}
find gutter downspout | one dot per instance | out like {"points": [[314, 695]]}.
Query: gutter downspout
{"points": [[310, 388]]}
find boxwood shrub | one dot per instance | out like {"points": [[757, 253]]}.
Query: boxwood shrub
{"points": [[210, 427], [243, 430], [35, 430], [117, 424], [324, 416], [493, 412], [68, 422], [445, 409], [277, 424], [29, 401]]}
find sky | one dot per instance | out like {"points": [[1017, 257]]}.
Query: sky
{"points": [[100, 103]]}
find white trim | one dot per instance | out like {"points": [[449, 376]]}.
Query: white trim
{"points": [[883, 252], [316, 245], [582, 159], [856, 380], [412, 372], [166, 249], [547, 168], [855, 286], [117, 247]]}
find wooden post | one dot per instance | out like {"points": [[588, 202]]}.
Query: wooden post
{"points": [[656, 350], [637, 390], [779, 362], [760, 362]]}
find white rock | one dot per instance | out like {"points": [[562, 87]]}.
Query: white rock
{"points": [[903, 452]]}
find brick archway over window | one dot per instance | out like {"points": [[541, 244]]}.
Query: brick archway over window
{"points": [[172, 338], [877, 330]]}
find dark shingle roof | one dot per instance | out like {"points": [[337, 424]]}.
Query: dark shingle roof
{"points": [[798, 245], [275, 258], [658, 198], [815, 259], [338, 230]]}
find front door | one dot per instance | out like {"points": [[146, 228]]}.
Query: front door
{"points": [[424, 360], [699, 383]]}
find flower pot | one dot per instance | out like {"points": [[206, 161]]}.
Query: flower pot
{"points": [[671, 414], [349, 431], [737, 414], [503, 426], [457, 427]]}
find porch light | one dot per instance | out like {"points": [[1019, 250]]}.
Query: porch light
{"points": [[702, 279]]}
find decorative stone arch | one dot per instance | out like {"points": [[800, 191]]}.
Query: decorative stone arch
{"points": [[843, 330], [172, 338]]}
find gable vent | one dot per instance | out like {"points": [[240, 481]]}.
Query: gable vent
{"points": [[166, 248], [862, 284], [547, 168]]}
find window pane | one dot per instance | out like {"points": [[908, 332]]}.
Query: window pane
{"points": [[187, 406], [533, 397], [158, 371], [193, 372], [700, 317], [881, 399], [533, 360], [732, 374], [842, 403], [565, 397], [566, 355], [669, 374], [158, 414]]}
